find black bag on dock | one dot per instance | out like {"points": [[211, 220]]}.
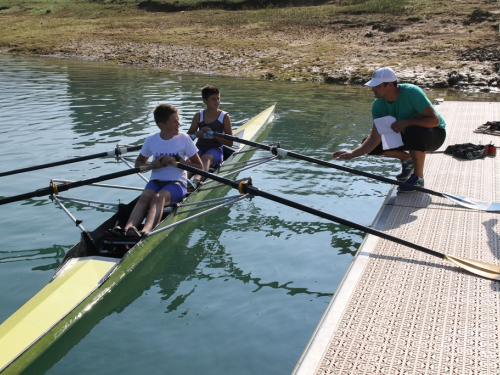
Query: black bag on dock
{"points": [[466, 151]]}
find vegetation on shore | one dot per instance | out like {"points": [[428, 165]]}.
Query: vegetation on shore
{"points": [[442, 43]]}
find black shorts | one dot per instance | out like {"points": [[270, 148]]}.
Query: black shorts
{"points": [[418, 139]]}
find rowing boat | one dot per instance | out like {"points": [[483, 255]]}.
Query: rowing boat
{"points": [[100, 260]]}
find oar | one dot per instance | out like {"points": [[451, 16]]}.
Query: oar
{"points": [[55, 189], [483, 269], [116, 152], [463, 201]]}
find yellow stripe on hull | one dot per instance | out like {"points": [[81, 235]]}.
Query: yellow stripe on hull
{"points": [[79, 278], [253, 127]]}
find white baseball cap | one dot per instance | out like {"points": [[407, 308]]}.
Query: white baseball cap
{"points": [[382, 75]]}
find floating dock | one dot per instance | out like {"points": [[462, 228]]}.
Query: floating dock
{"points": [[402, 311]]}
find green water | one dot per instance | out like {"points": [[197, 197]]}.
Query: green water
{"points": [[237, 292]]}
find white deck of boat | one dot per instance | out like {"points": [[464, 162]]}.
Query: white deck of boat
{"points": [[401, 311]]}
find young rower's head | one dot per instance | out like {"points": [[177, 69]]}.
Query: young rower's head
{"points": [[162, 113], [211, 97], [208, 91]]}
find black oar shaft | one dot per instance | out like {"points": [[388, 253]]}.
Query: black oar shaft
{"points": [[69, 161], [256, 192], [363, 228], [64, 187], [280, 151]]}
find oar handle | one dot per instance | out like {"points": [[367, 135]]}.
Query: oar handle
{"points": [[282, 152], [116, 152], [55, 189], [208, 133], [248, 188]]}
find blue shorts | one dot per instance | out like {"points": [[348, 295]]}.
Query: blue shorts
{"points": [[176, 189], [216, 152]]}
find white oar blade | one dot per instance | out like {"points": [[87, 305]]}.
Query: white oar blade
{"points": [[483, 269], [473, 203]]}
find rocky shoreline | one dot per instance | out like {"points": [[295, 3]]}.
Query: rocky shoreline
{"points": [[432, 51], [474, 72]]}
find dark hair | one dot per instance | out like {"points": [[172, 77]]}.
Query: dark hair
{"points": [[208, 91], [395, 83], [162, 112]]}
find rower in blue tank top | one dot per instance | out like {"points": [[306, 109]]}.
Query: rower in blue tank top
{"points": [[211, 119], [208, 142]]}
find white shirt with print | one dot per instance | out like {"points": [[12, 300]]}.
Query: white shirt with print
{"points": [[181, 145]]}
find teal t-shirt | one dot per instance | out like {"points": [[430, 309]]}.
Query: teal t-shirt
{"points": [[410, 102]]}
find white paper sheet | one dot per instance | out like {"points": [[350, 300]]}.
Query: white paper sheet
{"points": [[390, 139]]}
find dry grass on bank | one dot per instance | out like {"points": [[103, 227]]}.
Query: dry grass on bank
{"points": [[340, 41]]}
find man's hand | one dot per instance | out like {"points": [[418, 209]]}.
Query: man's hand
{"points": [[399, 125], [343, 155]]}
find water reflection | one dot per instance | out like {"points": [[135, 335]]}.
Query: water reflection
{"points": [[256, 275], [53, 253]]}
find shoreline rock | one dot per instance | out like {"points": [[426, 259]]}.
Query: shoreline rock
{"points": [[472, 76], [430, 50]]}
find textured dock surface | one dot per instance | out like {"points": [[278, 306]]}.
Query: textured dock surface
{"points": [[401, 311]]}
